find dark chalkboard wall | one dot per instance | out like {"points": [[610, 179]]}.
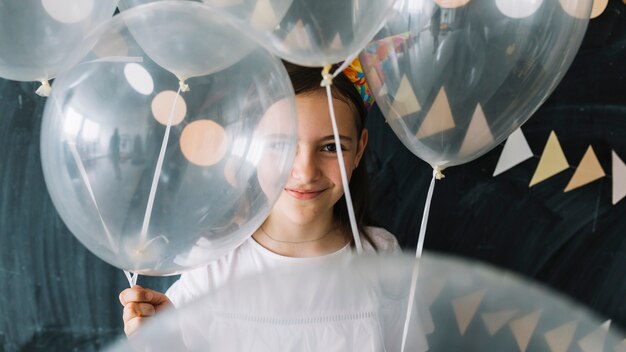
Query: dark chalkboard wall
{"points": [[55, 295]]}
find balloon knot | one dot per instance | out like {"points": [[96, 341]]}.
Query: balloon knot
{"points": [[438, 174], [184, 87], [327, 78], [44, 90]]}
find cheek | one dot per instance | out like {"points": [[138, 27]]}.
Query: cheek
{"points": [[268, 177]]}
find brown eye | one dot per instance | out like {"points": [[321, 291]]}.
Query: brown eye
{"points": [[329, 148]]}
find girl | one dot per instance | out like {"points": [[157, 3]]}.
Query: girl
{"points": [[310, 218]]}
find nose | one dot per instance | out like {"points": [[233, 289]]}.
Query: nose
{"points": [[305, 168]]}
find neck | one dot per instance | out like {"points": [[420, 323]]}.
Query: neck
{"points": [[284, 237]]}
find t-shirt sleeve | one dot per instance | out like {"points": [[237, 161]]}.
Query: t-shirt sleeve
{"points": [[190, 285], [385, 241]]}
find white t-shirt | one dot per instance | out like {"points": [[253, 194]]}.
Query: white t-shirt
{"points": [[251, 258], [330, 310]]}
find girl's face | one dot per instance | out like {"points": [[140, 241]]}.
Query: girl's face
{"points": [[314, 185]]}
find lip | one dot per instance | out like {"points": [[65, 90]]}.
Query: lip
{"points": [[303, 194]]}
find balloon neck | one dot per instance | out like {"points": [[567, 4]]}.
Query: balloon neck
{"points": [[327, 77], [437, 172], [44, 89], [184, 87]]}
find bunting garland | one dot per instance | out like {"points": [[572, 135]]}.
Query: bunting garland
{"points": [[553, 161]]}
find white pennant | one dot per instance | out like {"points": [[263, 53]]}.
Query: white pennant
{"points": [[595, 340], [516, 150], [619, 179]]}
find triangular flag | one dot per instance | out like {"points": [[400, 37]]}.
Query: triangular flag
{"points": [[516, 150], [430, 291], [552, 161], [465, 308], [588, 171], [439, 117], [495, 321], [619, 178], [478, 133], [595, 340], [384, 90], [405, 102], [621, 347], [559, 339], [336, 44], [523, 329], [298, 37], [263, 15]]}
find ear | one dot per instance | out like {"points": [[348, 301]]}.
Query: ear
{"points": [[361, 147]]}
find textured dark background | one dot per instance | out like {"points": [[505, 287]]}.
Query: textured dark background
{"points": [[55, 295]]}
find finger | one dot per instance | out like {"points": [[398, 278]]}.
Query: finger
{"points": [[133, 310], [136, 294], [131, 326]]}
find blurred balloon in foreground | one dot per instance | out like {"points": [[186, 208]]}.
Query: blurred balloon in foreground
{"points": [[359, 303], [38, 37], [454, 81], [154, 180]]}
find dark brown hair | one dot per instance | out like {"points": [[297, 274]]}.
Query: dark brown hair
{"points": [[306, 80]]}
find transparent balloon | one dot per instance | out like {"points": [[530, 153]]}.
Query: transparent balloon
{"points": [[455, 78], [154, 179], [309, 33], [360, 303], [38, 37]]}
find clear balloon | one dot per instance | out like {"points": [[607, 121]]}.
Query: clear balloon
{"points": [[309, 33], [360, 303], [38, 37], [455, 78], [155, 180]]}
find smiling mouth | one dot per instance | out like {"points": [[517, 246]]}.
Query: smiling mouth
{"points": [[303, 195]]}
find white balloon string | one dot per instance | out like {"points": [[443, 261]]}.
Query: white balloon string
{"points": [[131, 277], [157, 171], [409, 308], [342, 166], [437, 175], [85, 178], [44, 89]]}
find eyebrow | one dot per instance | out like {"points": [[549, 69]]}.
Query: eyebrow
{"points": [[277, 136], [332, 138]]}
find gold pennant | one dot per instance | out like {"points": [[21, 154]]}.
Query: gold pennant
{"points": [[263, 16], [588, 171], [495, 321], [336, 44], [559, 339], [478, 134], [439, 117], [523, 329], [405, 102], [552, 161], [465, 308], [298, 37]]}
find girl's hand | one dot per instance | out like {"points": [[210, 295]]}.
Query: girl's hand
{"points": [[139, 305]]}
